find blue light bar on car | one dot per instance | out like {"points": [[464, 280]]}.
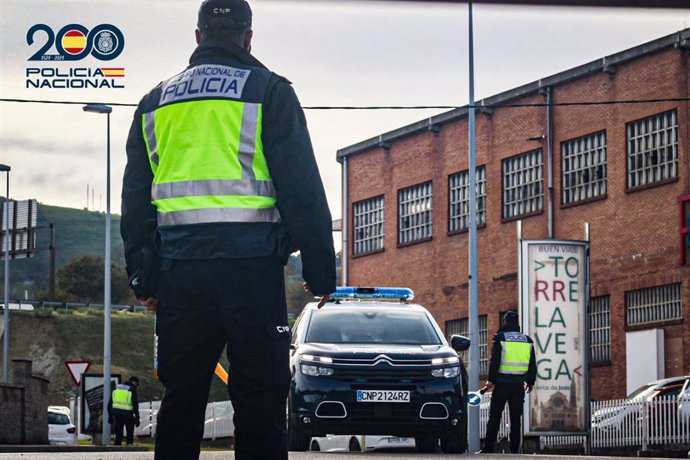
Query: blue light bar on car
{"points": [[347, 292]]}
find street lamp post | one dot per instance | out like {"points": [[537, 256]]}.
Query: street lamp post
{"points": [[473, 301], [106, 109], [6, 312]]}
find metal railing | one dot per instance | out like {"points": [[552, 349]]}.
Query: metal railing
{"points": [[616, 423], [637, 423]]}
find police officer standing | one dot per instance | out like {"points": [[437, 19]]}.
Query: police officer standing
{"points": [[512, 373], [220, 160], [123, 410]]}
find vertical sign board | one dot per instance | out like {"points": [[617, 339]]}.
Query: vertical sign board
{"points": [[92, 401], [22, 235], [554, 282]]}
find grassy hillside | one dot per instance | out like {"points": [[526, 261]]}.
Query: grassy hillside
{"points": [[77, 232], [50, 338]]}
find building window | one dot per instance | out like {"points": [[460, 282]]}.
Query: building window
{"points": [[414, 213], [653, 149], [368, 228], [459, 196], [584, 167], [462, 327], [651, 305], [600, 329], [523, 189]]}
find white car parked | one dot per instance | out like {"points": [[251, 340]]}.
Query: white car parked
{"points": [[351, 443], [624, 416], [61, 431]]}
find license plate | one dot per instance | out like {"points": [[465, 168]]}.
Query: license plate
{"points": [[383, 396]]}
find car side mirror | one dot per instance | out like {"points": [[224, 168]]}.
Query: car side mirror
{"points": [[459, 343]]}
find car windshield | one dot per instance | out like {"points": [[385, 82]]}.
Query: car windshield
{"points": [[644, 390], [57, 419], [362, 325]]}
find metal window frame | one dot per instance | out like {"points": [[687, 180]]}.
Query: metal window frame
{"points": [[462, 326], [579, 156], [654, 304], [522, 173], [650, 136], [600, 329], [458, 197], [374, 225], [415, 196]]}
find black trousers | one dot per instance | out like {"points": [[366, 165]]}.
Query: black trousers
{"points": [[122, 421], [205, 305], [514, 395]]}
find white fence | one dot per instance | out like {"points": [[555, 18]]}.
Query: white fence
{"points": [[615, 423], [218, 423], [663, 422]]}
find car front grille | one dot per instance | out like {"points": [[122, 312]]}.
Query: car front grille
{"points": [[381, 374], [382, 412]]}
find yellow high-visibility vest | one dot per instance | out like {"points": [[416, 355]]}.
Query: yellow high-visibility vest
{"points": [[205, 150], [515, 354], [122, 398]]}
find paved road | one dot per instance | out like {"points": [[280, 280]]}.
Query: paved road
{"points": [[293, 456]]}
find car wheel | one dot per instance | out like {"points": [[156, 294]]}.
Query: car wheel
{"points": [[315, 446], [354, 445], [297, 440], [457, 443], [426, 444]]}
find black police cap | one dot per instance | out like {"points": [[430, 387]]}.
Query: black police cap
{"points": [[511, 318], [238, 11]]}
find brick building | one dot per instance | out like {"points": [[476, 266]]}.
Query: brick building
{"points": [[622, 167]]}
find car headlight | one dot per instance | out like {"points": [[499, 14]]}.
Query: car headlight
{"points": [[309, 365], [315, 371], [317, 359], [446, 372]]}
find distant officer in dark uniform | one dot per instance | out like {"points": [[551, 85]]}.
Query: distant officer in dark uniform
{"points": [[123, 410], [220, 160], [512, 373]]}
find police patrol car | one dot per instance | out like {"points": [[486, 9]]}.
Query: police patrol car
{"points": [[368, 362]]}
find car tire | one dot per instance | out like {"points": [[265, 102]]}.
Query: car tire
{"points": [[426, 444], [457, 443], [353, 445], [315, 447], [297, 441]]}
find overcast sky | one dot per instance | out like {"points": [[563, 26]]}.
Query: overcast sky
{"points": [[334, 52]]}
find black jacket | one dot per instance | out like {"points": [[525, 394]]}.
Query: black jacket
{"points": [[494, 377], [305, 218]]}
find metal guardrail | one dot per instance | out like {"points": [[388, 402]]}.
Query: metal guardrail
{"points": [[616, 423], [29, 305]]}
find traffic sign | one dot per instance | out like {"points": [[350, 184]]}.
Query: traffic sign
{"points": [[474, 398], [76, 369]]}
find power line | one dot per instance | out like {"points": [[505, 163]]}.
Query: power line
{"points": [[399, 107]]}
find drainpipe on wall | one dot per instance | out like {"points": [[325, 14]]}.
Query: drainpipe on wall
{"points": [[549, 159], [345, 232]]}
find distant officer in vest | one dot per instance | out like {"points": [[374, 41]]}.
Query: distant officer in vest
{"points": [[123, 410], [221, 186], [512, 373]]}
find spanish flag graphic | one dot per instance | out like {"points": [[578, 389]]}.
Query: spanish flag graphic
{"points": [[113, 71], [74, 42]]}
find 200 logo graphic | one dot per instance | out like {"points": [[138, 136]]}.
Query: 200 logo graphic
{"points": [[74, 42]]}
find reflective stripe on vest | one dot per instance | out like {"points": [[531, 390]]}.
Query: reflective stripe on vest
{"points": [[207, 157], [122, 398], [515, 354]]}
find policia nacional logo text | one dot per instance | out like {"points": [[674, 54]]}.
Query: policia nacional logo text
{"points": [[205, 81], [74, 42]]}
